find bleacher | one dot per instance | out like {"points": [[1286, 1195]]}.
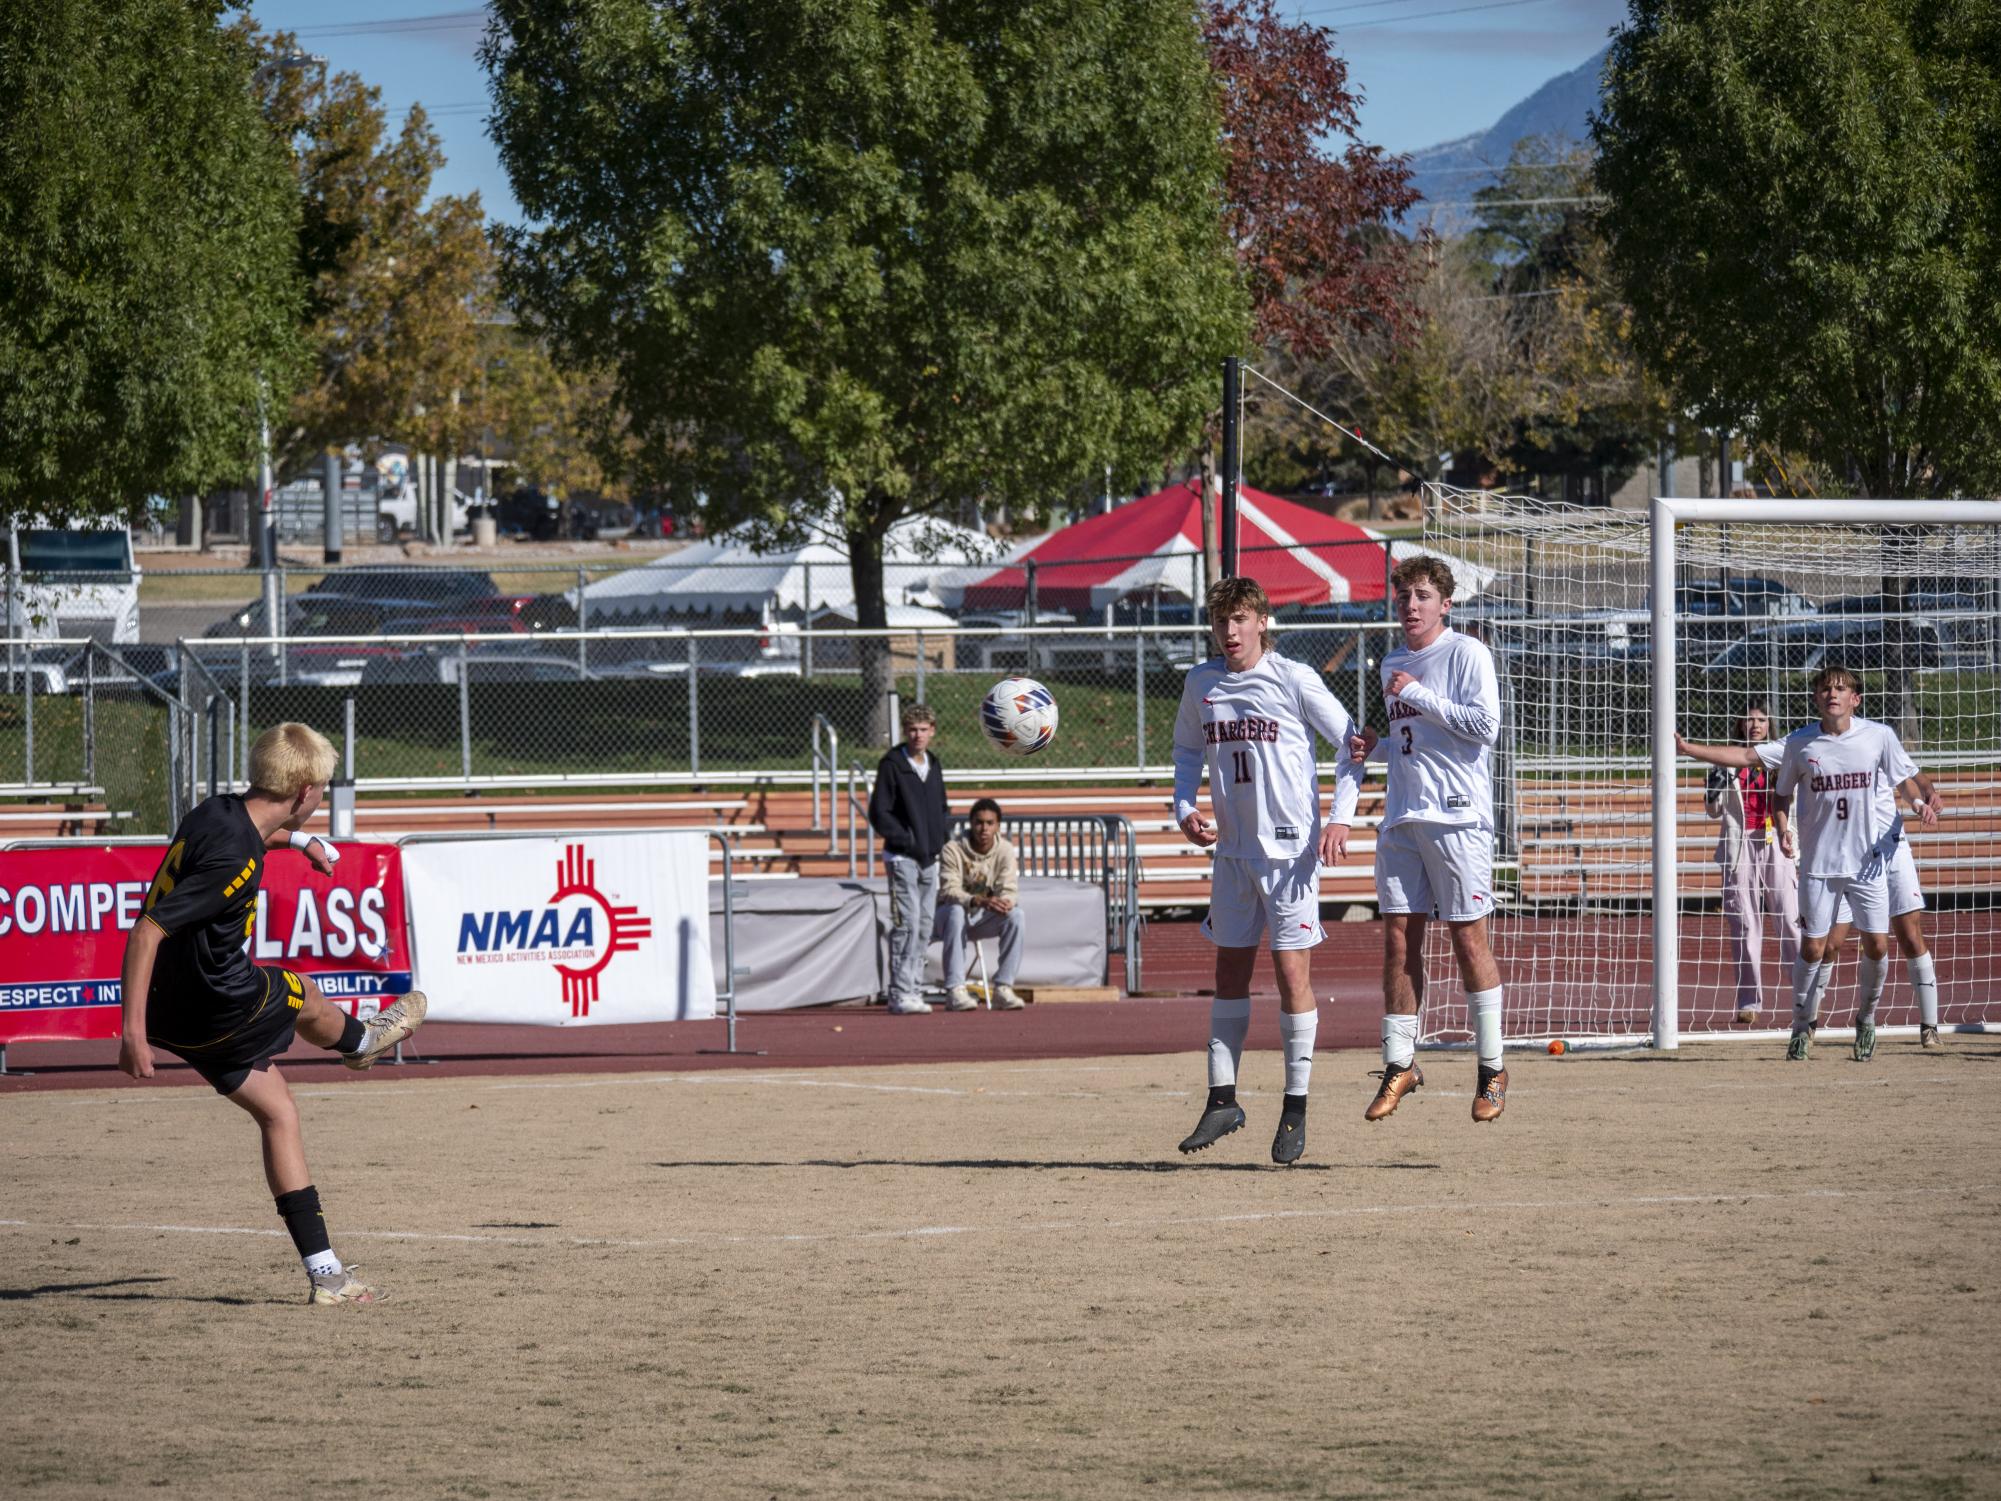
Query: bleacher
{"points": [[1580, 840], [54, 811]]}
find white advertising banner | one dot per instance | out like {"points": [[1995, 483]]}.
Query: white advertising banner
{"points": [[572, 931]]}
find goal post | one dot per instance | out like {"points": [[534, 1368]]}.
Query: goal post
{"points": [[1665, 517], [1625, 913]]}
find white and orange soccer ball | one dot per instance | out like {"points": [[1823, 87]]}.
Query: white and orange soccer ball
{"points": [[1019, 716]]}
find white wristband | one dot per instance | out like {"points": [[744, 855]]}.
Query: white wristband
{"points": [[302, 841]]}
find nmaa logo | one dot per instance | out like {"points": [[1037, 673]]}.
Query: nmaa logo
{"points": [[578, 931]]}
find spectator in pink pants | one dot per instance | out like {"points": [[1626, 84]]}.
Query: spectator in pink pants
{"points": [[1757, 877]]}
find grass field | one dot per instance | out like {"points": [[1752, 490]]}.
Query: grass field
{"points": [[1709, 1274]]}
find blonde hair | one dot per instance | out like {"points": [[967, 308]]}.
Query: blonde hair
{"points": [[288, 758], [919, 714]]}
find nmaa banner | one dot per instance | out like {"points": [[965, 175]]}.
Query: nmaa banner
{"points": [[565, 931]]}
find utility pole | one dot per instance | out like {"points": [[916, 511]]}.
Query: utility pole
{"points": [[1232, 460]]}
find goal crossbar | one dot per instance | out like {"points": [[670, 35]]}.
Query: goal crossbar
{"points": [[1666, 513]]}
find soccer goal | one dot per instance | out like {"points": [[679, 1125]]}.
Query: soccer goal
{"points": [[1623, 914]]}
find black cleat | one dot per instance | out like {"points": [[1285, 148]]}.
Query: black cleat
{"points": [[1290, 1143], [1217, 1122]]}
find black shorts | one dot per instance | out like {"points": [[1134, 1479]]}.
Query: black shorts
{"points": [[241, 1040]]}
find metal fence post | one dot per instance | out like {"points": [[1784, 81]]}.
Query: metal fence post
{"points": [[243, 699], [173, 767], [583, 624], [694, 708], [1139, 697], [90, 713], [920, 666], [465, 713], [806, 571], [1361, 675], [229, 736], [28, 714]]}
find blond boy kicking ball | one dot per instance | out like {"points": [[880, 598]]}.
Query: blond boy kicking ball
{"points": [[190, 988]]}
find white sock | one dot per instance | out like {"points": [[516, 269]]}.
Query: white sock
{"points": [[1924, 984], [323, 1264], [1804, 974], [1229, 1024], [1870, 975], [1822, 978], [1485, 1008], [1297, 1033], [1399, 1040]]}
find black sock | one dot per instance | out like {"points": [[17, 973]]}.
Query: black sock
{"points": [[1221, 1096], [353, 1031], [1295, 1104], [300, 1210]]}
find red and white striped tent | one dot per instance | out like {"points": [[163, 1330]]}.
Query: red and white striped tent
{"points": [[1300, 556]]}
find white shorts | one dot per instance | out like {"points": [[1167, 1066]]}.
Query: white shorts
{"points": [[1826, 901], [1439, 870], [1900, 871], [1247, 898]]}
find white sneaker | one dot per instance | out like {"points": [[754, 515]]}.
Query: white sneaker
{"points": [[911, 1006], [958, 998], [1006, 1000]]}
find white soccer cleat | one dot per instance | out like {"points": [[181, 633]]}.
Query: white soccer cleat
{"points": [[388, 1028], [342, 1287]]}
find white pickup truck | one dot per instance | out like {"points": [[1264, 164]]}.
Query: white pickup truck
{"points": [[72, 581]]}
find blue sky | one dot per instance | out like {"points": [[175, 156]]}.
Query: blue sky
{"points": [[1430, 70]]}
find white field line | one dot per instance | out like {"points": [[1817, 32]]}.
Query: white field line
{"points": [[1722, 1197]]}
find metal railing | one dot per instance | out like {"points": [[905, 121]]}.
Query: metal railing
{"points": [[1098, 848], [829, 759]]}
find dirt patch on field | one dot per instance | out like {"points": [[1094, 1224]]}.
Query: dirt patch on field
{"points": [[1711, 1274]]}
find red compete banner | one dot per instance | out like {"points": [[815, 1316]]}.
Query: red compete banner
{"points": [[64, 914]]}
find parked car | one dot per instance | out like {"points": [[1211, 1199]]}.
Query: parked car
{"points": [[1966, 622], [502, 664], [356, 601], [1739, 595], [1808, 645]]}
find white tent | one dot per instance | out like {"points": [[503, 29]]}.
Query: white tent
{"points": [[724, 575]]}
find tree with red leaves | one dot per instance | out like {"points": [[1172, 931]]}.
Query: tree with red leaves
{"points": [[1311, 229]]}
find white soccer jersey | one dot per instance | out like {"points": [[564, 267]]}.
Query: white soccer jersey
{"points": [[1844, 783], [1887, 816], [1255, 728], [1440, 745]]}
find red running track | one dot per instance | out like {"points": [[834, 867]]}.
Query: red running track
{"points": [[1171, 1016]]}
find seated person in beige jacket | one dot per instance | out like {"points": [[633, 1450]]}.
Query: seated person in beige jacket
{"points": [[979, 895]]}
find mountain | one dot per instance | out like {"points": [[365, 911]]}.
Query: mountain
{"points": [[1450, 173]]}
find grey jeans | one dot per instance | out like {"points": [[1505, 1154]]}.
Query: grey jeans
{"points": [[913, 906], [960, 927]]}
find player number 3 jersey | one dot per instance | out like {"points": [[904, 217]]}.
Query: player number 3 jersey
{"points": [[1256, 729], [1440, 745]]}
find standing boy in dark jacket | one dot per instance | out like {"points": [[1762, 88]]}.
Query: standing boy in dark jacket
{"points": [[907, 810]]}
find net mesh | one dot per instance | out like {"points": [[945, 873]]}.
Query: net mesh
{"points": [[1758, 609]]}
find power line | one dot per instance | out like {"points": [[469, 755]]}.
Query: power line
{"points": [[1294, 396], [443, 20], [1433, 15]]}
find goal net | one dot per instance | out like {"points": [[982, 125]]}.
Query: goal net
{"points": [[1595, 814]]}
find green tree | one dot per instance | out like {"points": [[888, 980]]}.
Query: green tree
{"points": [[396, 287], [1805, 215], [879, 257], [149, 290]]}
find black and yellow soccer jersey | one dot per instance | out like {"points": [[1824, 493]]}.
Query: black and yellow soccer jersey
{"points": [[204, 898]]}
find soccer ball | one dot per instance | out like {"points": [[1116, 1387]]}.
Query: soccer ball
{"points": [[1019, 716]]}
